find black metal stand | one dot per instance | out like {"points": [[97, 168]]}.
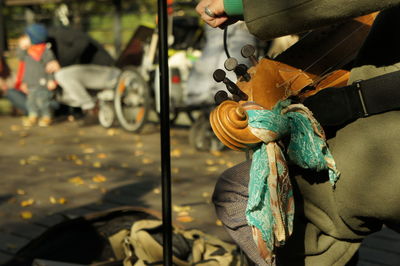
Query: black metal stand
{"points": [[3, 38], [165, 131]]}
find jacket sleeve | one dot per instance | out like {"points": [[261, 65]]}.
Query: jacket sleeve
{"points": [[268, 19]]}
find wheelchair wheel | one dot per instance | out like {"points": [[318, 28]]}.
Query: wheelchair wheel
{"points": [[201, 136], [106, 114], [132, 100]]}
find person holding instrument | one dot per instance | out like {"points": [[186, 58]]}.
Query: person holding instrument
{"points": [[329, 222]]}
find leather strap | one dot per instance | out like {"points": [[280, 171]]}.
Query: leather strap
{"points": [[339, 106]]}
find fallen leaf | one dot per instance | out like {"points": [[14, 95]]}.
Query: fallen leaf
{"points": [[72, 157], [230, 164], [103, 190], [34, 159], [93, 186], [28, 202], [15, 127], [78, 162], [216, 153], [205, 194], [52, 200], [210, 162], [62, 200], [26, 215], [23, 134], [184, 213], [221, 161], [139, 145], [76, 180], [218, 222], [111, 132], [212, 168], [23, 162], [176, 153], [177, 208], [88, 150], [138, 153], [99, 178], [139, 173], [101, 155], [175, 170], [147, 161], [185, 219], [156, 191], [97, 164], [21, 192]]}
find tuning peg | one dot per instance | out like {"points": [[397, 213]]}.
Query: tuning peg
{"points": [[230, 64], [220, 76], [220, 97], [241, 70], [248, 51]]}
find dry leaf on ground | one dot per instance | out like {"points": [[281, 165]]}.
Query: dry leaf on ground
{"points": [[176, 153], [175, 170], [62, 200], [212, 169], [185, 219], [177, 208], [138, 153], [139, 145], [111, 132], [88, 150], [26, 215], [97, 164], [216, 153], [99, 178], [27, 202], [21, 192], [52, 200], [101, 155], [77, 180], [210, 162], [147, 161], [139, 173]]}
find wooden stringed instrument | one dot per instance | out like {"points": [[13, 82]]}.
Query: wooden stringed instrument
{"points": [[317, 61]]}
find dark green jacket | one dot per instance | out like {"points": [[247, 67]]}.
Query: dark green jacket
{"points": [[268, 19]]}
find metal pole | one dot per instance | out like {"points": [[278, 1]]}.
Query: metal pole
{"points": [[3, 38], [165, 134]]}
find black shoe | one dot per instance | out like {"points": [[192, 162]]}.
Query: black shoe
{"points": [[89, 119]]}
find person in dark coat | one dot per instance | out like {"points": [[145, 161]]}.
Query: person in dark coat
{"points": [[329, 222]]}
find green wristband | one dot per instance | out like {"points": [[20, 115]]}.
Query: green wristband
{"points": [[233, 7]]}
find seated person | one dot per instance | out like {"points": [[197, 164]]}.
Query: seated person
{"points": [[12, 92]]}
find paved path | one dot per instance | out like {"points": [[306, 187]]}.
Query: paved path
{"points": [[48, 174]]}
